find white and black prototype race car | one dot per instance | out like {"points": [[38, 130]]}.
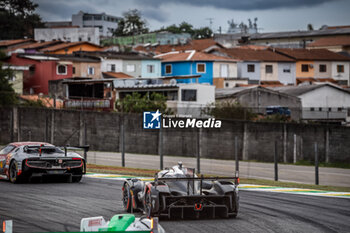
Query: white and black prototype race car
{"points": [[178, 192], [21, 161]]}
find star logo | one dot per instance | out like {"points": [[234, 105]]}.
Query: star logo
{"points": [[156, 115], [151, 120]]}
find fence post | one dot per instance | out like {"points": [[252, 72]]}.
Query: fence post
{"points": [[236, 154], [160, 148], [285, 143], [199, 150], [295, 149], [122, 140], [276, 162], [327, 145], [316, 164]]}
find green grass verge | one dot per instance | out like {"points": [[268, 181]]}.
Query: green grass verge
{"points": [[151, 172]]}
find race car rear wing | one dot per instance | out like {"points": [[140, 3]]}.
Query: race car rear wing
{"points": [[201, 179]]}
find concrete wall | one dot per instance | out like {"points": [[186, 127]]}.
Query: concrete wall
{"points": [[68, 34], [102, 132]]}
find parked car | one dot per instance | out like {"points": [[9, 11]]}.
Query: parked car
{"points": [[19, 161], [271, 110]]}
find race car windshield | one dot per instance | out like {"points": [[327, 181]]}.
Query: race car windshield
{"points": [[44, 150], [7, 149]]}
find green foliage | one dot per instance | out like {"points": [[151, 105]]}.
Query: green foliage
{"points": [[7, 94], [184, 27], [131, 24], [18, 19], [31, 103], [136, 103], [229, 110]]}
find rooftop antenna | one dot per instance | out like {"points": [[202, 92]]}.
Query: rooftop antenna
{"points": [[210, 23]]}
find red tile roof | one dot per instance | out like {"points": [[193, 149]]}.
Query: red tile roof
{"points": [[35, 45], [255, 55], [192, 56], [116, 75], [47, 101], [5, 43], [198, 45], [313, 54], [332, 41], [65, 45]]}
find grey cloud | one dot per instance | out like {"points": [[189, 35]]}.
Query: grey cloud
{"points": [[154, 14], [245, 5]]}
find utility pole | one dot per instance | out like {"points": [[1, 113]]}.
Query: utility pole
{"points": [[210, 23]]}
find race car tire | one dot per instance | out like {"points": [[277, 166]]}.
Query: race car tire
{"points": [[148, 204], [127, 198], [235, 202], [13, 176], [76, 179]]}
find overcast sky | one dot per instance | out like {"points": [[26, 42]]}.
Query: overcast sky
{"points": [[273, 15]]}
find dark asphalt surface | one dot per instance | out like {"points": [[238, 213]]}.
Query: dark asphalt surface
{"points": [[55, 206]]}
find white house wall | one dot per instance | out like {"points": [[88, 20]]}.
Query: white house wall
{"points": [[341, 76], [285, 77], [327, 74], [268, 76], [118, 65], [232, 69]]}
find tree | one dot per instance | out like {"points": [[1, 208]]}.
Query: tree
{"points": [[131, 24], [18, 19], [136, 103], [7, 94], [203, 33]]}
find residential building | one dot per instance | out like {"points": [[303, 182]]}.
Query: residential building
{"points": [[334, 44], [88, 67], [319, 63], [105, 23], [261, 65], [133, 64], [287, 39], [16, 79], [33, 47], [200, 45], [70, 47], [42, 68], [257, 99], [8, 44], [208, 66], [68, 34], [149, 40], [183, 99], [321, 102]]}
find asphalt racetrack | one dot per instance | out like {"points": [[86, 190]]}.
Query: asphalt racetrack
{"points": [[58, 206]]}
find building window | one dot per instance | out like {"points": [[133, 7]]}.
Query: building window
{"points": [[150, 68], [32, 70], [224, 70], [305, 68], [189, 95], [168, 69], [172, 95], [323, 68], [340, 68], [226, 85], [268, 69], [91, 70], [62, 69], [320, 109], [111, 67], [89, 39], [251, 68], [312, 109], [130, 68], [73, 70], [201, 68], [286, 70], [340, 109]]}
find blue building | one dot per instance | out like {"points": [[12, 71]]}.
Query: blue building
{"points": [[191, 63]]}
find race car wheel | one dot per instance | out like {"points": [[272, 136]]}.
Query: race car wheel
{"points": [[235, 203], [13, 177], [148, 204], [76, 179], [127, 198]]}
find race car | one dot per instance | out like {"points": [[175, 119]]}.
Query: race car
{"points": [[21, 161], [121, 223], [178, 192]]}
